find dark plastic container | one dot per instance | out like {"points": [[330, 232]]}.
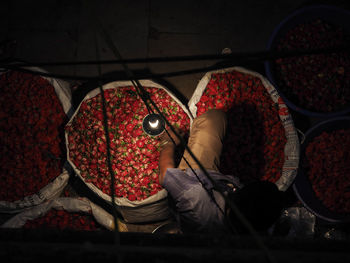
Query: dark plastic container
{"points": [[331, 14], [302, 186]]}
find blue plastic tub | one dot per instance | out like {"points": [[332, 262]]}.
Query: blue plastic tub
{"points": [[331, 14], [302, 186]]}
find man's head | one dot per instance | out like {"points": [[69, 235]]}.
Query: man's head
{"points": [[261, 203]]}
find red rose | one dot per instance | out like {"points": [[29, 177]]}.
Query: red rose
{"points": [[129, 154], [255, 134], [129, 127], [326, 164], [314, 82], [29, 104], [140, 143]]}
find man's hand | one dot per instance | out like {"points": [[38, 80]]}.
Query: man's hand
{"points": [[170, 137]]}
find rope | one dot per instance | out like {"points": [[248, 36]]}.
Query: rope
{"points": [[240, 56], [215, 186], [229, 60], [109, 165]]}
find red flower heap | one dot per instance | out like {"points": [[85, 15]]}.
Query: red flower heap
{"points": [[318, 82], [327, 165], [61, 219], [31, 135], [134, 154], [255, 137]]}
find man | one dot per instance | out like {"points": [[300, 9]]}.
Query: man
{"points": [[198, 206]]}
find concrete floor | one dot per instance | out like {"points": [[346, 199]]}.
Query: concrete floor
{"points": [[65, 30]]}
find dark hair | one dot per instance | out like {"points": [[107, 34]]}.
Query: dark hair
{"points": [[260, 202]]}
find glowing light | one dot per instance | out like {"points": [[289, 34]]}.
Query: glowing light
{"points": [[154, 124]]}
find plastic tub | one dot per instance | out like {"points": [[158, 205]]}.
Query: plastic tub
{"points": [[331, 14], [302, 186]]}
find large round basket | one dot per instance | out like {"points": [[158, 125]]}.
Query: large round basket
{"points": [[329, 14], [303, 187]]}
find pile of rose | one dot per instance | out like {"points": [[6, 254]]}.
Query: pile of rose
{"points": [[134, 154], [31, 135], [327, 165], [255, 138], [61, 219], [315, 82]]}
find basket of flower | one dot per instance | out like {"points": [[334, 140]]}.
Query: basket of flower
{"points": [[134, 154], [261, 142], [33, 112], [315, 84], [322, 183]]}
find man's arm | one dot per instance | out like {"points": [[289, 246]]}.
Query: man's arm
{"points": [[166, 157], [166, 160]]}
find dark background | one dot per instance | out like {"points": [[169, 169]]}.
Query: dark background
{"points": [[52, 31]]}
